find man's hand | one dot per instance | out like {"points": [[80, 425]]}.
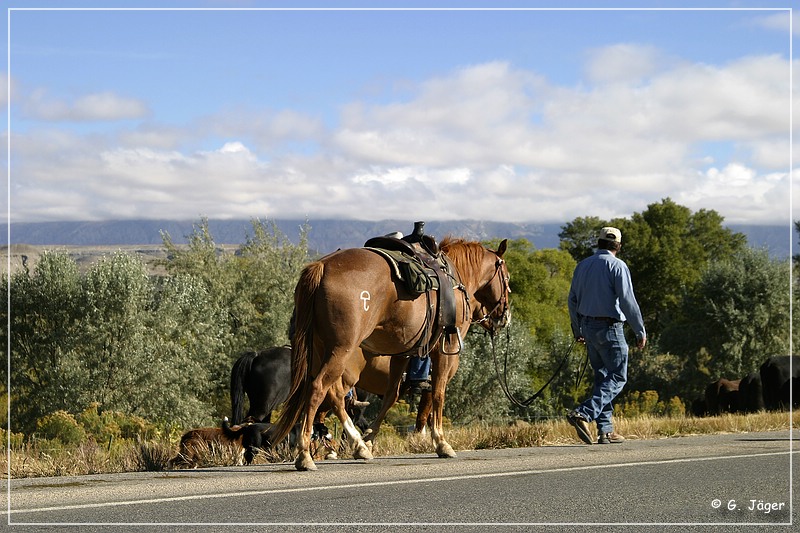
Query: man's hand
{"points": [[641, 342], [580, 340]]}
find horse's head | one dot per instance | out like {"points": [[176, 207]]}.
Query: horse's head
{"points": [[493, 312]]}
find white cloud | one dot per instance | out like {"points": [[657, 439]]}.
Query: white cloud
{"points": [[738, 190], [453, 120], [743, 100], [623, 63], [268, 129], [155, 136], [105, 106], [4, 85], [398, 175], [780, 22], [489, 141]]}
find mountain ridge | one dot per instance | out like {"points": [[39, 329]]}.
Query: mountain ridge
{"points": [[324, 235]]}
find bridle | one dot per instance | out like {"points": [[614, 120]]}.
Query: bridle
{"points": [[488, 320]]}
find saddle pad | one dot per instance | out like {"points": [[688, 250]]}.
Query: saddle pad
{"points": [[416, 277]]}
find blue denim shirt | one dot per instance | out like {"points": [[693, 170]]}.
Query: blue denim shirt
{"points": [[602, 287]]}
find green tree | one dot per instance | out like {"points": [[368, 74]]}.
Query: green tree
{"points": [[115, 338], [45, 311], [189, 370], [116, 344], [579, 237], [667, 247], [540, 281], [735, 316], [160, 348], [796, 292], [266, 271], [255, 285]]}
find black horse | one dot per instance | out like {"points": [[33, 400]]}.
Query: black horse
{"points": [[265, 377]]}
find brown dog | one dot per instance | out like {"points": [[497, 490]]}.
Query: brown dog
{"points": [[198, 442]]}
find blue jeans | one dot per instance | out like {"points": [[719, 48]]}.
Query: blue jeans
{"points": [[608, 355], [418, 368]]}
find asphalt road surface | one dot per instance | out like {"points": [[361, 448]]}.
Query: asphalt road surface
{"points": [[701, 483]]}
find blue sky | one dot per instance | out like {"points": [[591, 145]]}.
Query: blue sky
{"points": [[519, 115]]}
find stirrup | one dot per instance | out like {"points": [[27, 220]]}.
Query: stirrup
{"points": [[460, 343]]}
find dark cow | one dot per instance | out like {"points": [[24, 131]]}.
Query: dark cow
{"points": [[779, 377], [722, 396], [789, 392], [751, 397], [699, 407], [265, 377]]}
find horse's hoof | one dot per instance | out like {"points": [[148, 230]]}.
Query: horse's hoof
{"points": [[368, 444], [362, 452], [304, 463], [332, 455], [445, 451]]}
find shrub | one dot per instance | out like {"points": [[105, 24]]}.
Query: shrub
{"points": [[646, 403], [675, 407], [135, 427], [400, 415], [61, 426], [16, 440], [110, 425], [101, 427]]}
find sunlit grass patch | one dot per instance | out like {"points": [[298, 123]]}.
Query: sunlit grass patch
{"points": [[52, 458]]}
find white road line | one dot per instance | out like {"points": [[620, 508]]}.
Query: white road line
{"points": [[381, 483]]}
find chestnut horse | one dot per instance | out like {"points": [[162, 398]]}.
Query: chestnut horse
{"points": [[349, 306]]}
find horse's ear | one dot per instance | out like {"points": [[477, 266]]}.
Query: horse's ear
{"points": [[502, 248]]}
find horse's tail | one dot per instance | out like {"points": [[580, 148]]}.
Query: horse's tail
{"points": [[302, 344], [239, 372]]}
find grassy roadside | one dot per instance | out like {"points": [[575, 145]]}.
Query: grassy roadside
{"points": [[31, 460]]}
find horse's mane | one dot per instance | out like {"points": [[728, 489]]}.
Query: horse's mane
{"points": [[462, 252]]}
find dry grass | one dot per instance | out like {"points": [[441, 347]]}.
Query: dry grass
{"points": [[89, 458], [558, 431]]}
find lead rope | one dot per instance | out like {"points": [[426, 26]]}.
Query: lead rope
{"points": [[503, 378]]}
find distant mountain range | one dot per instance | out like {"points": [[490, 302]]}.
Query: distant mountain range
{"points": [[324, 235]]}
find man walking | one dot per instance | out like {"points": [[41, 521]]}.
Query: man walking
{"points": [[600, 300]]}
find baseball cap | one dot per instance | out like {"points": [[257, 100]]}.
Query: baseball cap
{"points": [[610, 234]]}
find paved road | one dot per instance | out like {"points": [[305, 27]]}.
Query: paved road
{"points": [[706, 483]]}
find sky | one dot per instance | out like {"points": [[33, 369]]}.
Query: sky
{"points": [[239, 110]]}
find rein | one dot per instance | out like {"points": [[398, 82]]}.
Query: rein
{"points": [[503, 378], [487, 322]]}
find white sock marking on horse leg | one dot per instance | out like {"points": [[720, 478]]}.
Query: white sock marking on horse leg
{"points": [[361, 451]]}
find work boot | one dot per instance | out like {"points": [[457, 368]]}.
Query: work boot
{"points": [[581, 425]]}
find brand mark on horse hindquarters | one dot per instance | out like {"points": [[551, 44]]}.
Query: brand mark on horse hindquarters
{"points": [[365, 298]]}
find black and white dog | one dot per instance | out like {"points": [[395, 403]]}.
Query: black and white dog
{"points": [[257, 436]]}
